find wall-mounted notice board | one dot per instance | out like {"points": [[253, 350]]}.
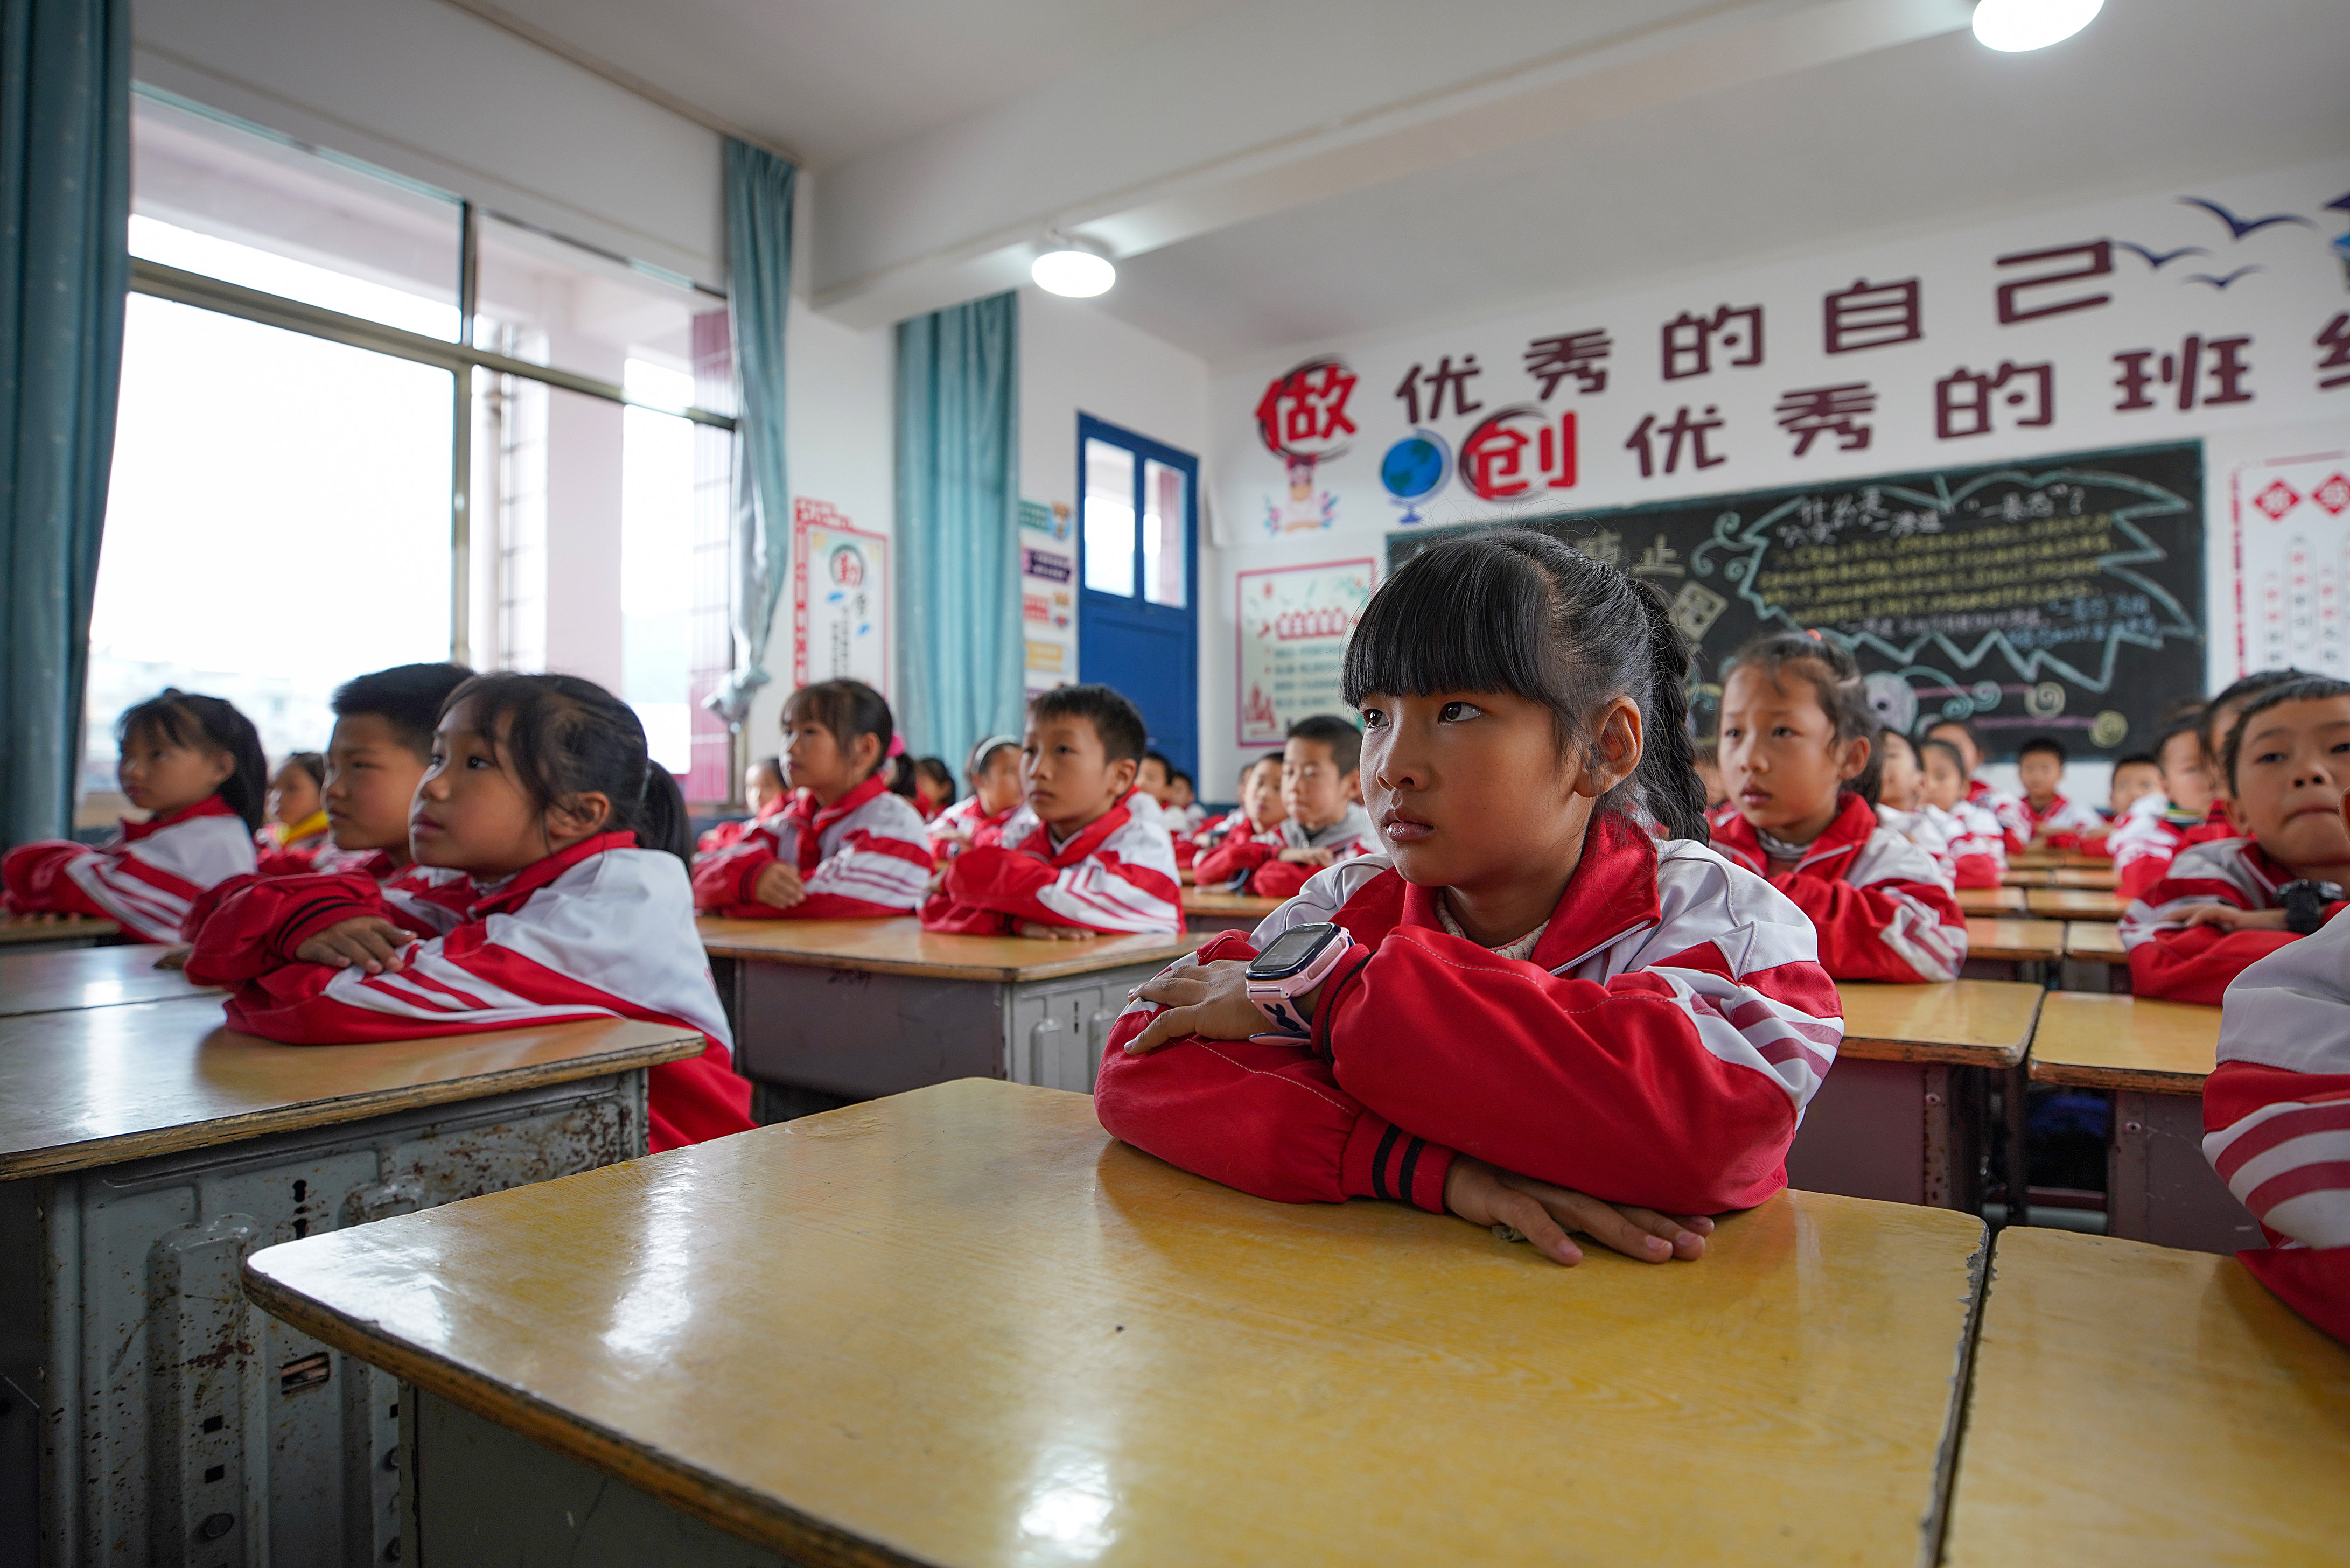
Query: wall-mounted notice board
{"points": [[2061, 596]]}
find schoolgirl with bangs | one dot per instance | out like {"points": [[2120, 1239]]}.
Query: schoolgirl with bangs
{"points": [[1624, 1028], [550, 885]]}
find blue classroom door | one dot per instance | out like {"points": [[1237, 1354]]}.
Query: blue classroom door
{"points": [[1138, 620]]}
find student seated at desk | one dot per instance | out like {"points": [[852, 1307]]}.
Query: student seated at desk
{"points": [[568, 844], [934, 788], [1799, 758], [2230, 901], [1087, 855], [295, 829], [980, 817], [1185, 815], [1257, 819], [1626, 1029], [377, 752], [2005, 809], [195, 766], [1325, 822], [2220, 717], [2052, 821], [1961, 834], [2275, 1114], [765, 791], [846, 847], [2151, 831]]}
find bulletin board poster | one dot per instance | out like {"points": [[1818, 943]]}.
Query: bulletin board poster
{"points": [[1294, 624], [840, 599], [1048, 594], [2289, 522]]}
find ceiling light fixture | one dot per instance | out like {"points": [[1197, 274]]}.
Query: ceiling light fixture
{"points": [[2012, 26], [1077, 267]]}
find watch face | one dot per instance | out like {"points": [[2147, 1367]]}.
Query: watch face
{"points": [[1292, 951]]}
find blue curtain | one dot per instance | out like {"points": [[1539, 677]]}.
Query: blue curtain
{"points": [[65, 268], [958, 542], [759, 188]]}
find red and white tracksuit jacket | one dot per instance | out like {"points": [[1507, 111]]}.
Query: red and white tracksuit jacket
{"points": [[1878, 902], [2007, 810], [1972, 847], [604, 930], [2276, 1119], [2065, 824], [146, 880], [1253, 864], [1115, 874], [865, 856], [2169, 958], [969, 818], [1656, 1048], [727, 834], [2145, 840]]}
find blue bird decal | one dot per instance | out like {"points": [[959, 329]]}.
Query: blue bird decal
{"points": [[2158, 262], [2219, 282], [2238, 227], [2340, 203]]}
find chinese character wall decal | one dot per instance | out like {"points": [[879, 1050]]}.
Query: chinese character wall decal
{"points": [[1682, 428], [1551, 360], [2096, 260], [1303, 412], [1870, 315], [2185, 369], [1689, 342], [2335, 338], [1445, 375], [1496, 461], [1964, 400], [1838, 410]]}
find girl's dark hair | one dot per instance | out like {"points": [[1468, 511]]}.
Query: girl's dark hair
{"points": [[1957, 758], [311, 762], [1836, 684], [1965, 727], [1886, 735], [984, 754], [771, 765], [2308, 689], [213, 724], [567, 737], [1513, 611], [935, 770], [849, 708], [2240, 694], [902, 775], [2187, 723]]}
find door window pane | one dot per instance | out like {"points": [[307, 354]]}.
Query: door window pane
{"points": [[278, 522], [1164, 535], [549, 302], [211, 197], [1109, 518]]}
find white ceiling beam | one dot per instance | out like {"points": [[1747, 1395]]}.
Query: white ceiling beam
{"points": [[1722, 46]]}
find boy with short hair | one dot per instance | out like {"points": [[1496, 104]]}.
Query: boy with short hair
{"points": [[1185, 815], [1326, 823], [2050, 820], [379, 751], [2007, 809], [2135, 776], [1080, 861], [2149, 834]]}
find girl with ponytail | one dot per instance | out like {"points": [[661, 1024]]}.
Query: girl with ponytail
{"points": [[1625, 1028], [551, 886]]}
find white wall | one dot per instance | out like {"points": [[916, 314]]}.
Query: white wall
{"points": [[1075, 358]]}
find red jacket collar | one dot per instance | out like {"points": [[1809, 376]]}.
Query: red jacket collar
{"points": [[1088, 838], [812, 819], [1613, 890], [211, 805], [2056, 805], [512, 894], [1829, 856]]}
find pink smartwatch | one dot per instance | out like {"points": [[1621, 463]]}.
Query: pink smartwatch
{"points": [[1299, 960]]}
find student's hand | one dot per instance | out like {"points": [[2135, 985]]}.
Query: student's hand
{"points": [[1042, 932], [1309, 857], [176, 958], [1487, 1195], [1210, 1000], [950, 836], [779, 886], [367, 941], [2228, 917]]}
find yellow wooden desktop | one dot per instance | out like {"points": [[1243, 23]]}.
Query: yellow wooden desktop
{"points": [[57, 979]]}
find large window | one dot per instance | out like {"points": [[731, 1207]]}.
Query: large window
{"points": [[365, 422]]}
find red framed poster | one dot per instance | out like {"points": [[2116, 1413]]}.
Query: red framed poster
{"points": [[840, 599], [1293, 624]]}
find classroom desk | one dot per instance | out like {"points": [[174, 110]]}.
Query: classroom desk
{"points": [[1209, 912], [1990, 900], [56, 931], [960, 1326], [59, 979], [2075, 904], [1900, 1116], [2011, 940], [863, 1008], [2153, 1057], [2091, 878], [144, 1150], [2138, 1406], [2095, 941]]}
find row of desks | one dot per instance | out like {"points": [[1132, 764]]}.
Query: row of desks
{"points": [[964, 1326], [2044, 903]]}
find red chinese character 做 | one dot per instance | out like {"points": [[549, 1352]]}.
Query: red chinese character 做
{"points": [[1304, 411]]}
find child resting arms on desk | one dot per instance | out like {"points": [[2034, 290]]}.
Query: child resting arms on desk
{"points": [[1624, 1030]]}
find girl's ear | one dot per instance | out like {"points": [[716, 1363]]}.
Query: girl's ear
{"points": [[865, 754], [1854, 760], [1615, 751], [220, 766], [581, 816]]}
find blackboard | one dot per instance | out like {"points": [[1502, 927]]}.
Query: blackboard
{"points": [[2060, 597]]}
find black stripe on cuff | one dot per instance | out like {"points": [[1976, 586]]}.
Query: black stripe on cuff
{"points": [[1410, 1157], [1379, 1162]]}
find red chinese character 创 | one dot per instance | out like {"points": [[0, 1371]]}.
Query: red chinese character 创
{"points": [[1551, 360], [2185, 369], [1304, 411], [2335, 338], [1870, 315], [1493, 458], [1816, 411], [1445, 375], [1682, 428], [1966, 395], [2097, 261], [1689, 342]]}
